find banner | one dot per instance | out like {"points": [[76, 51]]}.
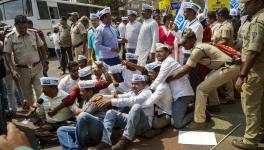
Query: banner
{"points": [[213, 5], [164, 4], [180, 19], [234, 4], [174, 7]]}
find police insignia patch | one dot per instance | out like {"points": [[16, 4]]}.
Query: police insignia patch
{"points": [[254, 34]]}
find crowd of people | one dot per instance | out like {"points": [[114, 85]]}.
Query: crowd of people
{"points": [[140, 76]]}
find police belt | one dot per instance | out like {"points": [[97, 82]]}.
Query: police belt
{"points": [[28, 66], [226, 64]]}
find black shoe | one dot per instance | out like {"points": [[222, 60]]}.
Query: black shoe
{"points": [[197, 126], [151, 133], [241, 145], [101, 146], [214, 109], [122, 144]]}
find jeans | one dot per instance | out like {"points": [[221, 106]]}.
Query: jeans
{"points": [[10, 89], [67, 138], [179, 107], [58, 54], [88, 131], [133, 123]]}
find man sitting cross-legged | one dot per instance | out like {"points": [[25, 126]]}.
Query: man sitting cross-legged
{"points": [[137, 121], [89, 127], [52, 97], [85, 74]]}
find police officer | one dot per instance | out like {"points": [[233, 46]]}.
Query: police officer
{"points": [[251, 79], [223, 69], [224, 34], [79, 36], [27, 70]]}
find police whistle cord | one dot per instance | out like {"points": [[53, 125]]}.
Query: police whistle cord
{"points": [[236, 127]]}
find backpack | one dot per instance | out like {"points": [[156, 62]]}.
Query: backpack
{"points": [[234, 54]]}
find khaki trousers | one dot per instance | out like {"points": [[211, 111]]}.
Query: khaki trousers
{"points": [[208, 89], [252, 99], [78, 51], [30, 77]]}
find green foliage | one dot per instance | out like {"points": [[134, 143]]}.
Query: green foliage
{"points": [[114, 4]]}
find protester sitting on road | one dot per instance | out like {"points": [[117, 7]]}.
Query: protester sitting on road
{"points": [[126, 71], [84, 74], [52, 97], [70, 80], [89, 127], [137, 121], [82, 61], [213, 58]]}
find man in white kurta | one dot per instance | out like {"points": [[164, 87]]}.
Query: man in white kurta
{"points": [[132, 31], [190, 12], [148, 36], [181, 89], [122, 27]]}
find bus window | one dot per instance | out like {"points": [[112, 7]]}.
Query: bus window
{"points": [[1, 12], [43, 10], [54, 14], [65, 9], [13, 8], [28, 8]]}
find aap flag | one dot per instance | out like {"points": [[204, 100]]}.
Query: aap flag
{"points": [[180, 19], [234, 4]]}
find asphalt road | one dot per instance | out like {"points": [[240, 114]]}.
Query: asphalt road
{"points": [[221, 124]]}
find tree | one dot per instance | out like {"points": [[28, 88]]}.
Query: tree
{"points": [[114, 4]]}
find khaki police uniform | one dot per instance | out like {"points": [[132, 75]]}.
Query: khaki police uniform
{"points": [[252, 97], [225, 30], [216, 60], [65, 44], [65, 36], [27, 61], [77, 38]]}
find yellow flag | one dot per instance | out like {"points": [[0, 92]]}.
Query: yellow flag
{"points": [[215, 4]]}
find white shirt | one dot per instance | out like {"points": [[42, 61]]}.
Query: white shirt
{"points": [[161, 97], [62, 115], [122, 29], [197, 28], [180, 87], [67, 83], [55, 37], [147, 39], [131, 98], [132, 32], [126, 74]]}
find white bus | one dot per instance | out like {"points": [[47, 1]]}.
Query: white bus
{"points": [[43, 13]]}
